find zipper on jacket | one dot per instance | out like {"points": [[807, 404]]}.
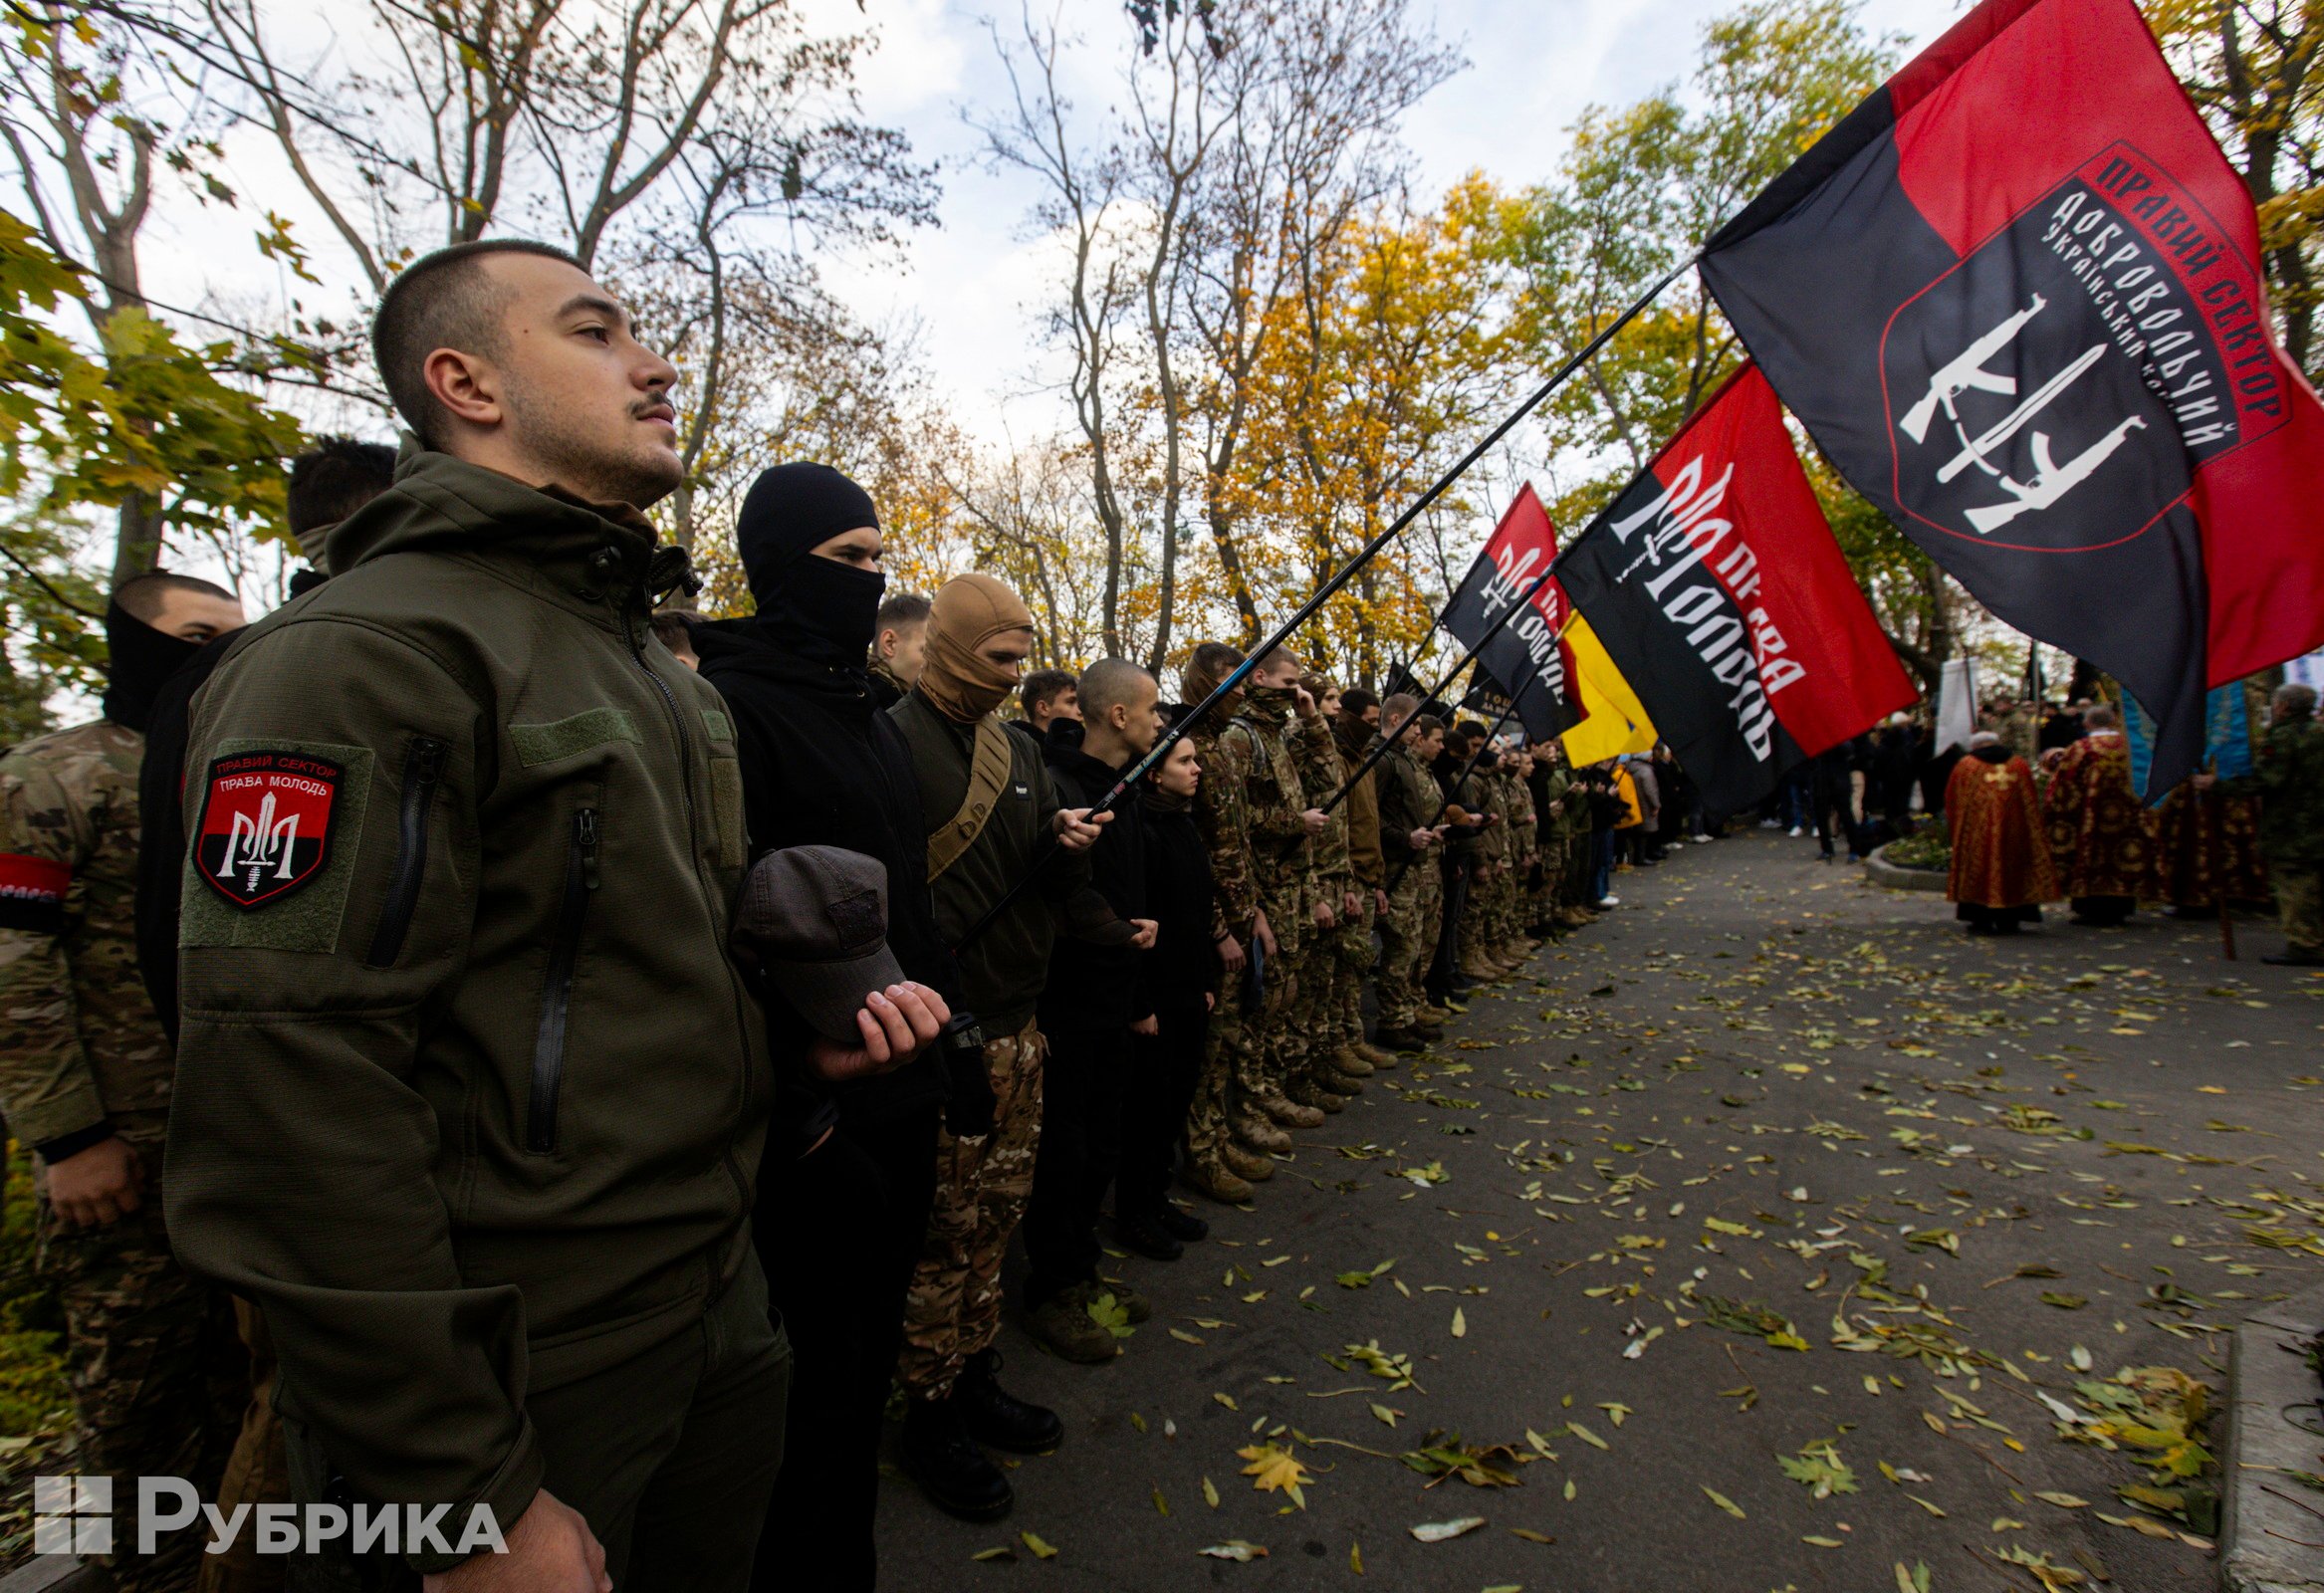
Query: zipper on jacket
{"points": [[423, 768], [580, 878]]}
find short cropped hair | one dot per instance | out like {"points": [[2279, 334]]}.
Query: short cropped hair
{"points": [[1042, 687], [1355, 700], [1109, 682], [2293, 700], [143, 596], [444, 300], [2100, 716], [675, 627], [903, 610], [334, 479], [1422, 724]]}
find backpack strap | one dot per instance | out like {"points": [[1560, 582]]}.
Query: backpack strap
{"points": [[988, 774]]}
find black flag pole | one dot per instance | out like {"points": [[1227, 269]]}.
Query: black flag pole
{"points": [[1331, 587], [1523, 600]]}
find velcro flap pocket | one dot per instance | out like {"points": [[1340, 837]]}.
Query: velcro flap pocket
{"points": [[569, 738]]}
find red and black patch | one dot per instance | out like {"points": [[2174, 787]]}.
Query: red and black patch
{"points": [[32, 893], [266, 825]]}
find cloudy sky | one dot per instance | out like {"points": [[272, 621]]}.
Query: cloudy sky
{"points": [[972, 283]]}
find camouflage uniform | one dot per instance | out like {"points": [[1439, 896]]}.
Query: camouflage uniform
{"points": [[1478, 929], [158, 1383], [953, 1309], [1524, 845], [1280, 852], [1371, 876], [1229, 1066], [1344, 951], [2289, 782], [1409, 797], [1555, 832]]}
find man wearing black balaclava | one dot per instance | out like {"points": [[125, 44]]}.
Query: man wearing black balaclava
{"points": [[85, 1073], [850, 1172]]}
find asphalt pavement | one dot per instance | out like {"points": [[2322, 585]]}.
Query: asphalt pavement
{"points": [[1771, 1234]]}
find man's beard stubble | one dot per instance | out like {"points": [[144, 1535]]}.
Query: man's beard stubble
{"points": [[577, 458]]}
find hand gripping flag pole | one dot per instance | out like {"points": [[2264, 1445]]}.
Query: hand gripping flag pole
{"points": [[1323, 593]]}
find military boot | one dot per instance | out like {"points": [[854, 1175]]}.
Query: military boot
{"points": [[1339, 1083], [1349, 1063], [1309, 1093], [998, 1418], [1251, 1167], [1408, 1041], [1377, 1055], [1214, 1181], [1181, 1223], [1255, 1131], [958, 1477], [1143, 1232], [1062, 1323], [1290, 1112]]}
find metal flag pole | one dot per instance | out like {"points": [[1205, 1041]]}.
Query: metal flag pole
{"points": [[1446, 806], [1331, 587], [1525, 601]]}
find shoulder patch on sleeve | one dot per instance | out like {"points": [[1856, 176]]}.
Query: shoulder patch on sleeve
{"points": [[274, 847], [32, 893], [716, 724]]}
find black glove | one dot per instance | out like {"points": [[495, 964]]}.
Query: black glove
{"points": [[968, 1113]]}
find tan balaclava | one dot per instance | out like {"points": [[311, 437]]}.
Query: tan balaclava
{"points": [[969, 612]]}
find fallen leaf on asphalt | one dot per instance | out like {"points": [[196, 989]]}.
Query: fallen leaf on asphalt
{"points": [[1439, 1531], [1459, 1323], [1234, 1549], [1272, 1467], [1587, 1435], [1210, 1493], [1003, 1553], [1041, 1550], [1724, 1502], [1530, 1535]]}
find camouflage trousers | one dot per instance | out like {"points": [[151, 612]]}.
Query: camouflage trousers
{"points": [[1407, 937], [2299, 903], [953, 1308], [1352, 959], [159, 1382], [1335, 960], [1550, 893], [1282, 1043], [1229, 1078]]}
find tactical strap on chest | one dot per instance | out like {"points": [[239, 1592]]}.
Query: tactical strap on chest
{"points": [[988, 775]]}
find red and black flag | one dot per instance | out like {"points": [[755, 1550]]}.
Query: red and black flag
{"points": [[1525, 656], [2016, 295], [1719, 591]]}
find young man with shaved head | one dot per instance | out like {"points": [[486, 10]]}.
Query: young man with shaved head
{"points": [[471, 1094]]}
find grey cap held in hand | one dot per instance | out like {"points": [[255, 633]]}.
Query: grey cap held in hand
{"points": [[815, 918]]}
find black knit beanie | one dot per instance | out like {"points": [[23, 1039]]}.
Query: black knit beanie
{"points": [[791, 510]]}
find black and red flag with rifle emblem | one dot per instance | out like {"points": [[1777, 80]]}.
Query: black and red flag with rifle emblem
{"points": [[1527, 656], [1719, 591], [2016, 295]]}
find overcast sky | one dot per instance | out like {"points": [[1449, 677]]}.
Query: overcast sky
{"points": [[972, 282]]}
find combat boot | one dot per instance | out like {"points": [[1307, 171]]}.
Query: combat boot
{"points": [[1143, 1232], [1408, 1041], [1377, 1055], [1183, 1224], [958, 1477], [1290, 1113], [1246, 1164], [1063, 1323], [996, 1417], [1349, 1063], [1214, 1181], [1135, 1308], [1256, 1131], [1475, 966], [1313, 1095], [1339, 1083]]}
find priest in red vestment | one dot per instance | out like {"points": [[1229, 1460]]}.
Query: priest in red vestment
{"points": [[2101, 836], [2002, 870], [2206, 848]]}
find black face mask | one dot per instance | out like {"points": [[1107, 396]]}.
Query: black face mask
{"points": [[823, 609], [142, 659]]}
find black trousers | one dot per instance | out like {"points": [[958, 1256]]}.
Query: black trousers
{"points": [[1447, 965], [668, 1457], [1154, 1105], [1087, 1077], [840, 1231]]}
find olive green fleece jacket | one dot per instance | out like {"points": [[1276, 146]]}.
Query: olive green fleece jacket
{"points": [[474, 1106]]}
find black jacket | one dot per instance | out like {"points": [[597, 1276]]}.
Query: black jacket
{"points": [[1183, 963], [1093, 986], [821, 766]]}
